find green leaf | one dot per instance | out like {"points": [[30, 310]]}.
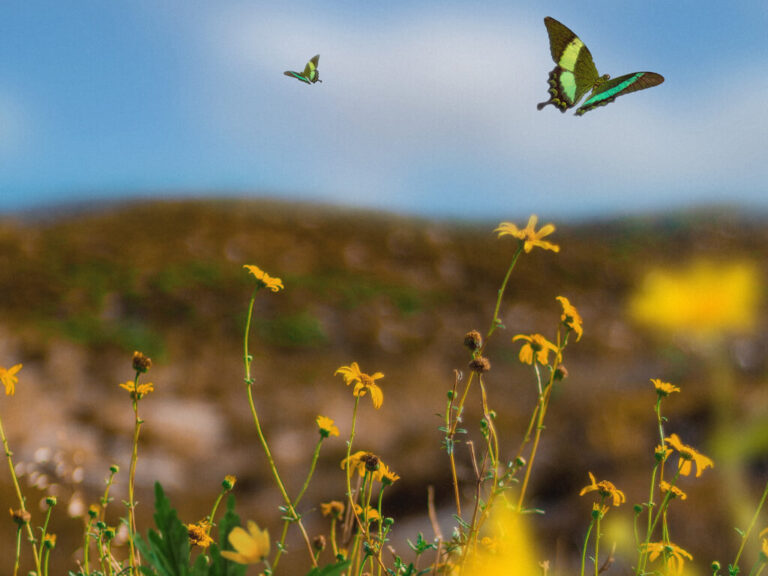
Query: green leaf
{"points": [[167, 550]]}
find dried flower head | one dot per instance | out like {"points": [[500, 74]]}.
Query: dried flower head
{"points": [[473, 340], [20, 516], [480, 364], [141, 363]]}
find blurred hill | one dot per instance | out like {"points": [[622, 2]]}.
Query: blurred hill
{"points": [[80, 292]]}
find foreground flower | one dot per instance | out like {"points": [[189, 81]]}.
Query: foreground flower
{"points": [[605, 489], [199, 534], [571, 317], [363, 383], [263, 279], [327, 427], [689, 456], [251, 547], [674, 555], [664, 388], [139, 391], [703, 299], [528, 235], [9, 379], [535, 347]]}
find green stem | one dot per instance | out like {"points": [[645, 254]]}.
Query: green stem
{"points": [[9, 457], [281, 487], [132, 481], [584, 548], [751, 526]]}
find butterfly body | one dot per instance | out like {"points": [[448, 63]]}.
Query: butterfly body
{"points": [[575, 74], [310, 74]]}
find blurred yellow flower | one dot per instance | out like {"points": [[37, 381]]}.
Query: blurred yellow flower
{"points": [[264, 280], [363, 382], [674, 555], [571, 317], [327, 427], [334, 508], [251, 547], [362, 462], [703, 299], [674, 490], [370, 514], [605, 489], [528, 235], [689, 456], [535, 346], [9, 379], [507, 550]]}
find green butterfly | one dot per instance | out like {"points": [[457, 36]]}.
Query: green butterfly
{"points": [[310, 75], [575, 74]]}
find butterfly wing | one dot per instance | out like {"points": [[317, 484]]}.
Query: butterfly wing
{"points": [[297, 76], [606, 92], [575, 72], [310, 70]]}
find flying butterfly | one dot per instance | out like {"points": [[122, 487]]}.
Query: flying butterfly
{"points": [[575, 74], [310, 75]]}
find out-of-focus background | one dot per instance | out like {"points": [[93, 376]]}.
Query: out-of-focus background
{"points": [[148, 150]]}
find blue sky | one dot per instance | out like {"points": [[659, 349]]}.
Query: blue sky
{"points": [[425, 107]]}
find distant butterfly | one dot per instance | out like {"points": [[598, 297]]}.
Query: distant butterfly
{"points": [[575, 74], [310, 75]]}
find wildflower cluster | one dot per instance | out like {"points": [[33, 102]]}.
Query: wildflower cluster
{"points": [[491, 536]]}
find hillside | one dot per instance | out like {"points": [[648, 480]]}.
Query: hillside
{"points": [[80, 292]]}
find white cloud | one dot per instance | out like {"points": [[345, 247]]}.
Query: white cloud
{"points": [[459, 91], [14, 128]]}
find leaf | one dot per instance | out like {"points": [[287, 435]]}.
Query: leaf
{"points": [[167, 550]]}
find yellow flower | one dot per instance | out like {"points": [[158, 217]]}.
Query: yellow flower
{"points": [[507, 549], [703, 299], [263, 279], [327, 427], [9, 379], [369, 515], [675, 555], [251, 546], [387, 475], [571, 317], [674, 490], [689, 456], [605, 489], [363, 383], [528, 235], [229, 482], [362, 462], [664, 388], [334, 508], [141, 389], [199, 534], [535, 346]]}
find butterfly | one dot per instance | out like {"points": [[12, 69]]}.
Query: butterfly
{"points": [[575, 74], [310, 75]]}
